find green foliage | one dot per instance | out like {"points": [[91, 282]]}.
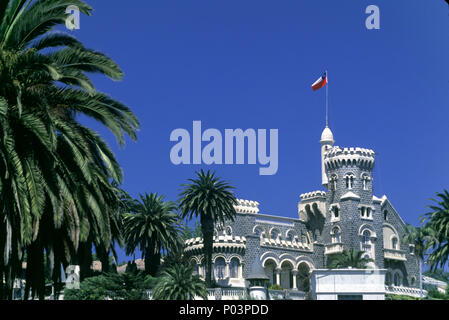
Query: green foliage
{"points": [[438, 221], [186, 232], [153, 226], [275, 287], [389, 296], [211, 199], [437, 295], [124, 286], [348, 258], [197, 232], [178, 283], [57, 191]]}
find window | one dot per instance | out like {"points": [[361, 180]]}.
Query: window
{"points": [[365, 180], [336, 212], [336, 235], [274, 234], [333, 182], [350, 297], [366, 237], [349, 178], [220, 266], [228, 231], [290, 236], [397, 279], [234, 267], [413, 281], [394, 243], [195, 267], [385, 215], [366, 212]]}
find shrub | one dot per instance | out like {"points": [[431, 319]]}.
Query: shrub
{"points": [[276, 287]]}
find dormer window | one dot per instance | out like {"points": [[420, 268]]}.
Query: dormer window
{"points": [[349, 179]]}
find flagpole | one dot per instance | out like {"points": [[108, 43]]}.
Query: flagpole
{"points": [[327, 99]]}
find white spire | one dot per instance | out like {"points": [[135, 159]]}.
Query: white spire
{"points": [[327, 141]]}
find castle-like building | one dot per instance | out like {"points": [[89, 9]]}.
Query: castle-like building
{"points": [[346, 215]]}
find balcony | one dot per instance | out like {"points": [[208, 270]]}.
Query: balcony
{"points": [[333, 248], [405, 291], [393, 254]]}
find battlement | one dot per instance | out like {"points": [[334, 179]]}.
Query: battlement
{"points": [[313, 195], [220, 244], [247, 206], [337, 157]]}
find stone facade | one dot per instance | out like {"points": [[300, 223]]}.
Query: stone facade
{"points": [[345, 215]]}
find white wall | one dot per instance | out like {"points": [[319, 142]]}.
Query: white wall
{"points": [[328, 284]]}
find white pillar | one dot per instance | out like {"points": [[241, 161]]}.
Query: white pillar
{"points": [[278, 276], [227, 272], [295, 273]]}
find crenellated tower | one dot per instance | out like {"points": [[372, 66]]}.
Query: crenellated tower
{"points": [[351, 217]]}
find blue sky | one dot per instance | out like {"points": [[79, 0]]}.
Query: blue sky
{"points": [[249, 64]]}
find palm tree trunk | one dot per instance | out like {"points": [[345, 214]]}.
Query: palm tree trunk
{"points": [[207, 227], [152, 261]]}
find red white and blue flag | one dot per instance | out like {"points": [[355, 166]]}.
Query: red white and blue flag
{"points": [[321, 82]]}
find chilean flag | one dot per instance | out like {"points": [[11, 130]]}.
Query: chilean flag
{"points": [[321, 82]]}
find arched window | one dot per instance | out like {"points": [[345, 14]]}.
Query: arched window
{"points": [[365, 180], [290, 236], [413, 281], [234, 267], [388, 279], [349, 178], [366, 237], [195, 267], [220, 268], [336, 235], [228, 231], [397, 279], [385, 215], [274, 234], [394, 243]]}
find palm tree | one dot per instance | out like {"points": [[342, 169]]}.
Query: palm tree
{"points": [[438, 221], [211, 199], [348, 258], [152, 225], [420, 238], [178, 283], [56, 194]]}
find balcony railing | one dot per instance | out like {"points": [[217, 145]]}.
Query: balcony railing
{"points": [[405, 291], [333, 248], [393, 254]]}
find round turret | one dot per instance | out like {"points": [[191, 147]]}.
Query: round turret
{"points": [[327, 136]]}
